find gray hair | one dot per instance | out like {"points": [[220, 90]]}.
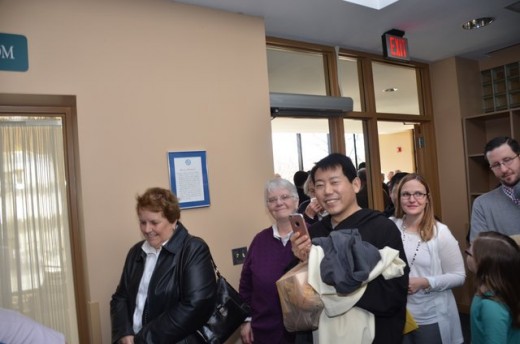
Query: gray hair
{"points": [[306, 186], [280, 183]]}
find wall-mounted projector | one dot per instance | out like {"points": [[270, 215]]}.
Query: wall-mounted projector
{"points": [[303, 104]]}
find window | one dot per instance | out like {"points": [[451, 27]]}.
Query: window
{"points": [[296, 72], [298, 144], [36, 272], [354, 141], [395, 89], [349, 80]]}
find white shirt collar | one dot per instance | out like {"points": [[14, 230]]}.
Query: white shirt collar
{"points": [[149, 249], [276, 235]]}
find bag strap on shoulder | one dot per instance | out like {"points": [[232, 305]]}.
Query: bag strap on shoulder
{"points": [[181, 263]]}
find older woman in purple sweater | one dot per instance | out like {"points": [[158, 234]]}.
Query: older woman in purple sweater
{"points": [[268, 256]]}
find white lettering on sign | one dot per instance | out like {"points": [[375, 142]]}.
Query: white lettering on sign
{"points": [[6, 53]]}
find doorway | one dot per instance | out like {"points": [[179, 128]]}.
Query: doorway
{"points": [[40, 275]]}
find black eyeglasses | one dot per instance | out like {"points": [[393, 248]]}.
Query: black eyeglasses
{"points": [[417, 195], [506, 162], [468, 252]]}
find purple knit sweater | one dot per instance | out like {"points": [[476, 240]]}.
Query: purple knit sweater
{"points": [[265, 263]]}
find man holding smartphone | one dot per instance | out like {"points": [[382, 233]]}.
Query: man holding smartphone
{"points": [[336, 184]]}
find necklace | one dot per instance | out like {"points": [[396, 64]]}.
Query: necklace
{"points": [[403, 227]]}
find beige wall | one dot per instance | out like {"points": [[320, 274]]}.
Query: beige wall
{"points": [[391, 159], [151, 77]]}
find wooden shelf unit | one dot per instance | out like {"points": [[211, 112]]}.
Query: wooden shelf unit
{"points": [[501, 88]]}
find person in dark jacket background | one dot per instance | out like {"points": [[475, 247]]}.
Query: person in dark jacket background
{"points": [[392, 187], [150, 305], [336, 184], [299, 178]]}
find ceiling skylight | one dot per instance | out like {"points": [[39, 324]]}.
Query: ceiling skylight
{"points": [[377, 4]]}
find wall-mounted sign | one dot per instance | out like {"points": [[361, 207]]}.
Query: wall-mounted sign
{"points": [[189, 178], [395, 46], [13, 52]]}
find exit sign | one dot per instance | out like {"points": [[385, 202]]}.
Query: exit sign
{"points": [[395, 47]]}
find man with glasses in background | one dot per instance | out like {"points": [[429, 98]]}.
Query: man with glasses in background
{"points": [[499, 210]]}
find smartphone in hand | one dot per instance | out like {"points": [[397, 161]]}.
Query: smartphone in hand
{"points": [[298, 224]]}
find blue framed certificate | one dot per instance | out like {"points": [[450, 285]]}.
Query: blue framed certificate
{"points": [[189, 178]]}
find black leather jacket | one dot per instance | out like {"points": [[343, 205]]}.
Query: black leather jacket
{"points": [[168, 317]]}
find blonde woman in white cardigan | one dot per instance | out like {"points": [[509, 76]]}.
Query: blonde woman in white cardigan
{"points": [[436, 265]]}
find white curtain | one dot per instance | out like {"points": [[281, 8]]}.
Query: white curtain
{"points": [[35, 257]]}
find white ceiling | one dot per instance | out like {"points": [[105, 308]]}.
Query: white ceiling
{"points": [[432, 27]]}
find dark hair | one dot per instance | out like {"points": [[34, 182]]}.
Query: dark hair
{"points": [[160, 200], [499, 141], [497, 259], [427, 223], [395, 180], [362, 165], [362, 174], [299, 178], [334, 160]]}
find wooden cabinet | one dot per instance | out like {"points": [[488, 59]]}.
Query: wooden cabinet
{"points": [[501, 87], [478, 130]]}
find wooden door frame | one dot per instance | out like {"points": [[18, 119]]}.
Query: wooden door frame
{"points": [[65, 108]]}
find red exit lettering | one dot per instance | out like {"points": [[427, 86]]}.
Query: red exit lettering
{"points": [[397, 47]]}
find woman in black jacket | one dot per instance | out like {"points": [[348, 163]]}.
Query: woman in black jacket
{"points": [[149, 305]]}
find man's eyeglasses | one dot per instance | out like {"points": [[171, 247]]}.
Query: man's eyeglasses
{"points": [[506, 162], [468, 252], [283, 198], [417, 195]]}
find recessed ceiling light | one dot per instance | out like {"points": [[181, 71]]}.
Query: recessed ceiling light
{"points": [[478, 23], [391, 89]]}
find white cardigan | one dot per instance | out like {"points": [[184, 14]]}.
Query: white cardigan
{"points": [[341, 322], [448, 272]]}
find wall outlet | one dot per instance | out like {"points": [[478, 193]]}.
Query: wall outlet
{"points": [[239, 254]]}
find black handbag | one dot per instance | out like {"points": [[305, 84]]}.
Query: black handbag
{"points": [[230, 312]]}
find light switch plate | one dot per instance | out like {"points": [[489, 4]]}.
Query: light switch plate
{"points": [[239, 255]]}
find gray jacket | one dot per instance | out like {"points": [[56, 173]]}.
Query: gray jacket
{"points": [[494, 211], [348, 260]]}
